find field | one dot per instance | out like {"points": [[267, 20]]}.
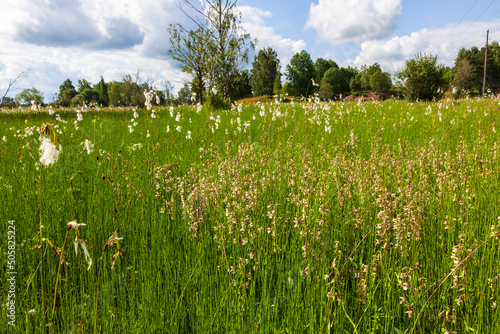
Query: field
{"points": [[377, 217]]}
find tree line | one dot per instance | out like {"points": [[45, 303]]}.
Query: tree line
{"points": [[216, 52]]}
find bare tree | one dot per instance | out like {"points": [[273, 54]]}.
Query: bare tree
{"points": [[14, 83]]}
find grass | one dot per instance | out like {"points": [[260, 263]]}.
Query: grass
{"points": [[268, 218]]}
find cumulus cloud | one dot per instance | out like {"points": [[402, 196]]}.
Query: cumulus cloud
{"points": [[340, 21], [253, 21], [444, 42]]}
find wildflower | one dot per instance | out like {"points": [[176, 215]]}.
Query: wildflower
{"points": [[88, 146], [314, 83], [214, 90], [193, 97], [130, 128], [188, 135], [113, 239], [157, 98], [49, 153], [4, 139], [149, 96], [136, 114], [74, 224], [82, 244]]}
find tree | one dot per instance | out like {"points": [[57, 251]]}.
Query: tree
{"points": [[101, 89], [321, 66], [219, 21], [277, 85], [464, 77], [192, 49], [325, 92], [299, 73], [82, 85], [28, 95], [184, 95], [265, 70], [380, 81], [338, 80], [422, 77], [241, 86], [66, 93]]}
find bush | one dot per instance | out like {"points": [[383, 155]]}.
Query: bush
{"points": [[423, 77]]}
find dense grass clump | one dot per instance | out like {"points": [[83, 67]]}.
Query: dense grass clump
{"points": [[267, 218]]}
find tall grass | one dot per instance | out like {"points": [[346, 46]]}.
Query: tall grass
{"points": [[288, 218]]}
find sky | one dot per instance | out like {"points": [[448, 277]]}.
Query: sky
{"points": [[87, 39]]}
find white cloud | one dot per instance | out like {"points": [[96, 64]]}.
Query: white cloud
{"points": [[340, 21], [59, 39], [253, 22], [444, 42]]}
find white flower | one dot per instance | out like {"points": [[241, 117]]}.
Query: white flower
{"points": [[157, 98], [87, 145], [214, 90], [193, 97], [85, 251], [130, 128], [4, 139], [136, 114], [49, 153], [79, 117], [74, 224], [189, 135]]}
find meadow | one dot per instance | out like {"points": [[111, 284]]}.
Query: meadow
{"points": [[374, 217]]}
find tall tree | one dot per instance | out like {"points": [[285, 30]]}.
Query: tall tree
{"points": [[299, 73], [102, 90], [66, 93], [265, 69], [220, 21], [192, 49]]}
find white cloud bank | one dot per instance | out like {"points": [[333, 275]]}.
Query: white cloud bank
{"points": [[444, 42], [341, 21], [253, 21]]}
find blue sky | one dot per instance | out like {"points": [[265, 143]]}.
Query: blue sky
{"points": [[59, 39]]}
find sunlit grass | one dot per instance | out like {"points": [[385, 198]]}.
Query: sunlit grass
{"points": [[291, 218]]}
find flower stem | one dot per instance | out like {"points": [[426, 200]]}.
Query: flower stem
{"points": [[41, 245], [57, 277], [97, 291]]}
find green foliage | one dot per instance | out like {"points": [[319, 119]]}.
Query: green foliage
{"points": [[66, 93], [325, 92], [29, 94], [265, 70], [337, 79], [380, 81], [184, 95], [423, 77], [240, 88], [299, 73], [321, 66], [102, 91], [194, 50], [277, 85]]}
